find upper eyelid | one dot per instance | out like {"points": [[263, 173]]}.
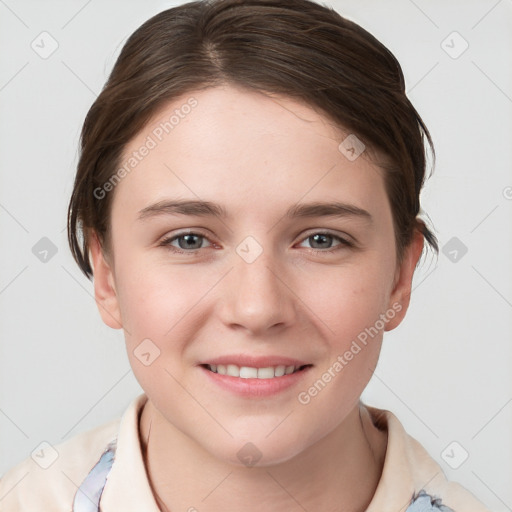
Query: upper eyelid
{"points": [[344, 236]]}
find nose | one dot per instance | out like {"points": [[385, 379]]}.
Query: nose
{"points": [[256, 297]]}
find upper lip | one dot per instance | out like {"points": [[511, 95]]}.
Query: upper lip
{"points": [[255, 361]]}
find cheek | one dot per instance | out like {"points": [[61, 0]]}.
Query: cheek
{"points": [[356, 341], [155, 301], [349, 308], [351, 330], [347, 300], [160, 320]]}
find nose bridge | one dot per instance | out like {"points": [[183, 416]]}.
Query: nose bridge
{"points": [[258, 298]]}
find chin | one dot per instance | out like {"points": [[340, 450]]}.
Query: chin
{"points": [[258, 450]]}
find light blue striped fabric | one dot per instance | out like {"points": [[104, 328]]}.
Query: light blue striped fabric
{"points": [[88, 495], [423, 502]]}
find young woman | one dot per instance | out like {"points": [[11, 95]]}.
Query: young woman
{"points": [[247, 201]]}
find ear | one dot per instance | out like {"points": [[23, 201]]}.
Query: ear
{"points": [[104, 286], [401, 294]]}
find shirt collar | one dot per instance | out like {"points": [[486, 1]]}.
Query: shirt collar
{"points": [[407, 467], [127, 486]]}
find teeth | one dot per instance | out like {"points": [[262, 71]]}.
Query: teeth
{"points": [[266, 373], [232, 370], [247, 372], [280, 370]]}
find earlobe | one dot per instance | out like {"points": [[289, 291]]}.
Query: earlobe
{"points": [[104, 286], [401, 294]]}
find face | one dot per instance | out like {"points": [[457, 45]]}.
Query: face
{"points": [[281, 254]]}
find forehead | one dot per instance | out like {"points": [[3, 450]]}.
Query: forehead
{"points": [[245, 148]]}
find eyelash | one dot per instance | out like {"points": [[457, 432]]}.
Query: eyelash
{"points": [[166, 242]]}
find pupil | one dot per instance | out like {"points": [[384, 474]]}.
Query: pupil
{"points": [[319, 238], [189, 240]]}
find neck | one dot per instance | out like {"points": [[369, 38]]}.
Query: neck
{"points": [[339, 472]]}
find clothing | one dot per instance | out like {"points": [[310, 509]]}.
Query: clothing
{"points": [[106, 465]]}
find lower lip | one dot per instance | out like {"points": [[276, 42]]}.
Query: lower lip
{"points": [[255, 387]]}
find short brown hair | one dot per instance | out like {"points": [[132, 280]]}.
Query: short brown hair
{"points": [[296, 48]]}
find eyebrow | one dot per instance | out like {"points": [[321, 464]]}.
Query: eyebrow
{"points": [[211, 209]]}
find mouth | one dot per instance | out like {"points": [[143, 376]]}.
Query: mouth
{"points": [[249, 372]]}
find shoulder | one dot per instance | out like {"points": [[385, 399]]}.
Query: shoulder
{"points": [[451, 497], [443, 494], [411, 473], [48, 480]]}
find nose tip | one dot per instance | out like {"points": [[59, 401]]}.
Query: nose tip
{"points": [[257, 300]]}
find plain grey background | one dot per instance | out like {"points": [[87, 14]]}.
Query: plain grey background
{"points": [[445, 372]]}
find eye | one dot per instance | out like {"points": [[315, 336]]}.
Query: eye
{"points": [[187, 242], [191, 242], [322, 240]]}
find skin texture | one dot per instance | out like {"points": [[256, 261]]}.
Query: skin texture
{"points": [[257, 155]]}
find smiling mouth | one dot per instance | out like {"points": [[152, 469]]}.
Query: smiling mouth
{"points": [[248, 372]]}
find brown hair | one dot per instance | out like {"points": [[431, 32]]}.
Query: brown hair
{"points": [[296, 48]]}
